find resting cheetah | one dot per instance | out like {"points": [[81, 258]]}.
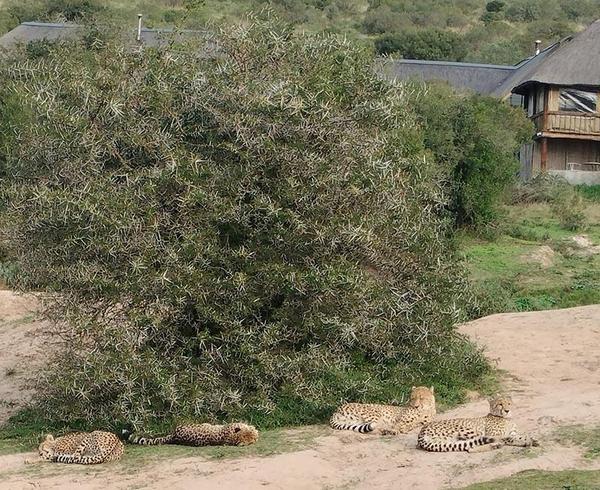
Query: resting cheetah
{"points": [[236, 434], [81, 448], [387, 419], [475, 434]]}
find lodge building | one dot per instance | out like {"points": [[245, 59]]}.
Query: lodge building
{"points": [[557, 86]]}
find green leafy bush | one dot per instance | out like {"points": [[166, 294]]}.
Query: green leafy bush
{"points": [[474, 139], [254, 235], [423, 45], [495, 6]]}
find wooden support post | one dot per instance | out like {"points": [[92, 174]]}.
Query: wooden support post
{"points": [[544, 154]]}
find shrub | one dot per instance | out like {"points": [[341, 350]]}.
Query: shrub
{"points": [[494, 6], [566, 202], [490, 17], [525, 10], [73, 10], [383, 19], [542, 188], [568, 207], [490, 297], [35, 10], [257, 235], [424, 45], [474, 140]]}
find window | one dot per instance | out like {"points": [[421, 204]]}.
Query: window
{"points": [[539, 100], [517, 100], [573, 100]]}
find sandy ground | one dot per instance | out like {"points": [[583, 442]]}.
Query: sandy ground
{"points": [[19, 349], [552, 363]]}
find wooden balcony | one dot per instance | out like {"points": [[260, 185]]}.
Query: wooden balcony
{"points": [[568, 125]]}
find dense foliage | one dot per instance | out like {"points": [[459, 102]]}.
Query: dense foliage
{"points": [[475, 139], [255, 235], [491, 31], [424, 45]]}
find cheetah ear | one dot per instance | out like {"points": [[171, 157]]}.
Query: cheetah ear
{"points": [[49, 438], [414, 388]]}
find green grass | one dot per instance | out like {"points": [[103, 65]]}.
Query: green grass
{"points": [[590, 192], [544, 480], [507, 279], [579, 435]]}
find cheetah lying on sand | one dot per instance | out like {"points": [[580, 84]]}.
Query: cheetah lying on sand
{"points": [[237, 434], [475, 434], [81, 448], [387, 419]]}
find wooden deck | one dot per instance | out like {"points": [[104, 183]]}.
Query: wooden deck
{"points": [[568, 125]]}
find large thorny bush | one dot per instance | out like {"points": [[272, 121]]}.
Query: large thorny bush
{"points": [[253, 234]]}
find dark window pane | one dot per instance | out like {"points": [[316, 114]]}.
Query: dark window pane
{"points": [[577, 100]]}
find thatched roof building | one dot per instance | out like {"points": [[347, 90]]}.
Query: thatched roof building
{"points": [[41, 31], [573, 61]]}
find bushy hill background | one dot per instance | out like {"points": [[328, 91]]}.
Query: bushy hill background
{"points": [[498, 31]]}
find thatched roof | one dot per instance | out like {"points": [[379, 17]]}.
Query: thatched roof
{"points": [[521, 71], [480, 78], [573, 61], [39, 31]]}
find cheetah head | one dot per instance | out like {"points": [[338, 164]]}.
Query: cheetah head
{"points": [[46, 447], [422, 397], [240, 434], [500, 406]]}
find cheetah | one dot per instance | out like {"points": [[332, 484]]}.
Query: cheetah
{"points": [[236, 434], [81, 448], [475, 434], [387, 419]]}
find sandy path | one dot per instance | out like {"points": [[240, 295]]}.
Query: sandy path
{"points": [[19, 349], [552, 359]]}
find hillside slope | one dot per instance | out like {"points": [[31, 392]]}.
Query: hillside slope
{"points": [[497, 31]]}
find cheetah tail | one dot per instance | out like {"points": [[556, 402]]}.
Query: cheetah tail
{"points": [[363, 428], [146, 441]]}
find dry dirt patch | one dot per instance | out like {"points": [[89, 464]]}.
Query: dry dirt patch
{"points": [[20, 348], [552, 359], [543, 256]]}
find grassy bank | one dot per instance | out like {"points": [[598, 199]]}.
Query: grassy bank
{"points": [[544, 480], [535, 264]]}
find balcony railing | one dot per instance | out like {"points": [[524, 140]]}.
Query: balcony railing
{"points": [[568, 123]]}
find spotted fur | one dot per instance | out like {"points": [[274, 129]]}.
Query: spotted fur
{"points": [[475, 434], [236, 434], [81, 448], [387, 419]]}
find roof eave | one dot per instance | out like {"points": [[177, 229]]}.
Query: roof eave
{"points": [[525, 87]]}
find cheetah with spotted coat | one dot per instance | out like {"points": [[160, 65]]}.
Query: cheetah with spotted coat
{"points": [[237, 434], [81, 448], [475, 434], [387, 419]]}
